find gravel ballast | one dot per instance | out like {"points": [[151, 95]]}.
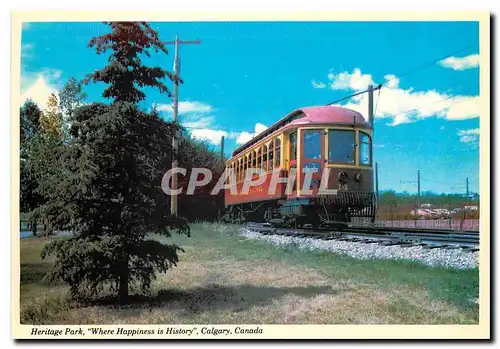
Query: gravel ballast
{"points": [[437, 257]]}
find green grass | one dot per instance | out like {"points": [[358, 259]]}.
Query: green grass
{"points": [[458, 286], [225, 278]]}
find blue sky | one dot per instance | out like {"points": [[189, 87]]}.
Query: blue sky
{"points": [[244, 76]]}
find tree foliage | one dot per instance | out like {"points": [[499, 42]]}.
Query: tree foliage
{"points": [[428, 197], [110, 196], [125, 72], [51, 120], [107, 187], [71, 97], [30, 115]]}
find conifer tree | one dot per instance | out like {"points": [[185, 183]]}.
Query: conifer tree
{"points": [[108, 192], [125, 72]]}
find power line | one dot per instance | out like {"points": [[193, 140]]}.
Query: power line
{"points": [[376, 104], [439, 101], [355, 94], [427, 64], [379, 87]]}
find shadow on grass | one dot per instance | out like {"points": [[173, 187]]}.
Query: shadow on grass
{"points": [[34, 272], [215, 297]]}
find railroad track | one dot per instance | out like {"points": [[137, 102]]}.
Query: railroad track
{"points": [[404, 237]]}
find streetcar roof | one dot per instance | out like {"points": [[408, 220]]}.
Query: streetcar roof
{"points": [[329, 114]]}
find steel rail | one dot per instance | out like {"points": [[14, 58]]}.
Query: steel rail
{"points": [[397, 236]]}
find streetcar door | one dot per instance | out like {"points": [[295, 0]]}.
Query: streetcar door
{"points": [[293, 157], [312, 160]]}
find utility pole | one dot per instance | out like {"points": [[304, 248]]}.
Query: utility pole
{"points": [[222, 150], [418, 188], [177, 68], [467, 188], [370, 106]]}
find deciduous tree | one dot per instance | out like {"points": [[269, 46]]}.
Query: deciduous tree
{"points": [[51, 121], [71, 97]]}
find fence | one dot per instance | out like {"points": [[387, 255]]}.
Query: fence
{"points": [[465, 217]]}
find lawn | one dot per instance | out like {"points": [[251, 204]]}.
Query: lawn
{"points": [[225, 278]]}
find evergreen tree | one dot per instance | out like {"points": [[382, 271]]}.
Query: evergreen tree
{"points": [[108, 189], [125, 72], [110, 197]]}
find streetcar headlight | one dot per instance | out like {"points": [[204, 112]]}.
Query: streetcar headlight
{"points": [[343, 177]]}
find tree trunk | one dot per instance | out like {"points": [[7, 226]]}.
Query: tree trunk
{"points": [[33, 227], [123, 286]]}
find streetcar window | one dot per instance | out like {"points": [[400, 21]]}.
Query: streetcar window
{"points": [[313, 167], [242, 167], [271, 158], [293, 145], [237, 165], [259, 157], [312, 144], [246, 165], [254, 159], [364, 149], [264, 158], [341, 146], [277, 144]]}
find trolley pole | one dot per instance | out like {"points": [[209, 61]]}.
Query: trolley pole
{"points": [[175, 150]]}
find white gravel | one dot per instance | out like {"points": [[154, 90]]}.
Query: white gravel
{"points": [[437, 257]]}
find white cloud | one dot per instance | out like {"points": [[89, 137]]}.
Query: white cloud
{"points": [[461, 63], [213, 136], [243, 137], [195, 116], [187, 107], [27, 51], [198, 121], [318, 84], [354, 81], [392, 80], [468, 136], [38, 86], [400, 105]]}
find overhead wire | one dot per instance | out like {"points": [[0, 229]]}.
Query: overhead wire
{"points": [[428, 64], [408, 72]]}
